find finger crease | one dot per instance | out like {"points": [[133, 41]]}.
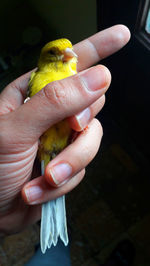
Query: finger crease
{"points": [[93, 47]]}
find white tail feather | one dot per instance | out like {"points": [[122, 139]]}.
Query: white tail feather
{"points": [[53, 221], [61, 219], [45, 226]]}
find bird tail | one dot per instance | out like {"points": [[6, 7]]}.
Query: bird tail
{"points": [[53, 221]]}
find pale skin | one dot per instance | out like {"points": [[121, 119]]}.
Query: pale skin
{"points": [[23, 124]]}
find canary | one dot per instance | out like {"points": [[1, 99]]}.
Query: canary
{"points": [[57, 61]]}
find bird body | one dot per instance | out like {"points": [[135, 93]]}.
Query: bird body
{"points": [[57, 61]]}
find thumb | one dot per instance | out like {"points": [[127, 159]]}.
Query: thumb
{"points": [[59, 100]]}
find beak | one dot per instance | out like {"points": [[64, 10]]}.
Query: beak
{"points": [[68, 54]]}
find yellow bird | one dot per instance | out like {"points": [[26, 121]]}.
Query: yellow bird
{"points": [[57, 61]]}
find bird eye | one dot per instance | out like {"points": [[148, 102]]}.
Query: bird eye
{"points": [[51, 52]]}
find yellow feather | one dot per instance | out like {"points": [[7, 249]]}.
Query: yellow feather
{"points": [[51, 67]]}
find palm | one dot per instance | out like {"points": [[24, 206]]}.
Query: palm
{"points": [[16, 162]]}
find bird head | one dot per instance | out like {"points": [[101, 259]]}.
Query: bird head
{"points": [[56, 51]]}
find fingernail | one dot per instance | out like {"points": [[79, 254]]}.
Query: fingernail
{"points": [[96, 78], [60, 173], [33, 194], [83, 118]]}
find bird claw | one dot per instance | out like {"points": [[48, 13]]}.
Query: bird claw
{"points": [[26, 99]]}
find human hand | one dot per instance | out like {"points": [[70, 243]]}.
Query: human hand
{"points": [[78, 98]]}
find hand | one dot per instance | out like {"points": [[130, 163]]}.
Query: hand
{"points": [[78, 98]]}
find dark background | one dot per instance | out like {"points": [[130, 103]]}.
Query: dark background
{"points": [[130, 93], [25, 26]]}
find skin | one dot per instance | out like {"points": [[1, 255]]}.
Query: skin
{"points": [[21, 128]]}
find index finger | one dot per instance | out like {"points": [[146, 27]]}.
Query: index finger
{"points": [[89, 51], [101, 45]]}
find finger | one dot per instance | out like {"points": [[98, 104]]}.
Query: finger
{"points": [[34, 212], [14, 94], [79, 121], [94, 49], [68, 163], [58, 100], [76, 156], [101, 45], [41, 192]]}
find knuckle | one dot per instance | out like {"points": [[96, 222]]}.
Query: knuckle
{"points": [[82, 86], [67, 92], [103, 99], [82, 173], [55, 93], [99, 125], [79, 176], [86, 155], [101, 128]]}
